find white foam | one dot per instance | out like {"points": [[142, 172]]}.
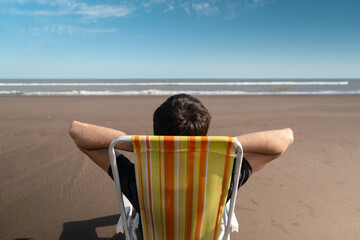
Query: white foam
{"points": [[155, 92], [274, 83]]}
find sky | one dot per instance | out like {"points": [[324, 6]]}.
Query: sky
{"points": [[180, 39]]}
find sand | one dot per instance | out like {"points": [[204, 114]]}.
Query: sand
{"points": [[50, 190]]}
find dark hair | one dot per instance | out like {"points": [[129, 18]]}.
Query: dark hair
{"points": [[181, 115]]}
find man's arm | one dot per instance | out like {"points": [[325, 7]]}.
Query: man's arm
{"points": [[262, 147], [94, 141]]}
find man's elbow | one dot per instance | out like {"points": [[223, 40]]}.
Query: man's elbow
{"points": [[74, 133], [72, 129], [288, 138]]}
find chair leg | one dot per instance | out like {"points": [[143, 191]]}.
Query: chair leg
{"points": [[234, 225], [128, 210], [136, 227]]}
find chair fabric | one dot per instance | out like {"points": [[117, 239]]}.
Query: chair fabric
{"points": [[182, 184]]}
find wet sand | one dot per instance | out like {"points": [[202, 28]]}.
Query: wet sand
{"points": [[50, 190]]}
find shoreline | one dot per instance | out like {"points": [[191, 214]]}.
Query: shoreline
{"points": [[257, 94], [168, 95], [165, 87]]}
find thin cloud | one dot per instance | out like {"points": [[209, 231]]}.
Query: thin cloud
{"points": [[103, 11], [259, 3], [233, 7], [149, 4], [227, 8], [205, 8], [68, 30], [169, 9], [65, 7]]}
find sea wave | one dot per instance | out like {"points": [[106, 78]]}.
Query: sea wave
{"points": [[265, 83], [155, 92]]}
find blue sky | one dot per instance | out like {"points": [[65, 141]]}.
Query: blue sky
{"points": [[179, 39]]}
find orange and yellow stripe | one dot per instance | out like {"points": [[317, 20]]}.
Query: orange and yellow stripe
{"points": [[182, 184]]}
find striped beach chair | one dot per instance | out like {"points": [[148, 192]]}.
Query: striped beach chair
{"points": [[182, 184]]}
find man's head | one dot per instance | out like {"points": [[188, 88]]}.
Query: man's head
{"points": [[181, 115]]}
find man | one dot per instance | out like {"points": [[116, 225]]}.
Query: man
{"points": [[179, 115]]}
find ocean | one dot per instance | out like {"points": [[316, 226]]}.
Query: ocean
{"points": [[130, 87]]}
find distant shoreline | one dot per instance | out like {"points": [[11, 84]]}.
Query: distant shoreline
{"points": [[165, 87]]}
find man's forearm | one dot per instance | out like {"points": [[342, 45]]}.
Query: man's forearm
{"points": [[274, 142], [92, 137]]}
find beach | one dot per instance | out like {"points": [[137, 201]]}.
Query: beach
{"points": [[50, 190]]}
